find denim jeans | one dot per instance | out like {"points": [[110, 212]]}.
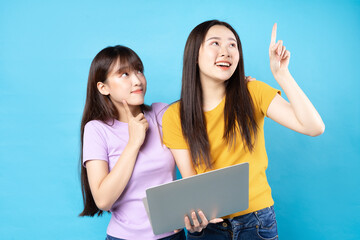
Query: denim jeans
{"points": [[177, 236], [257, 225]]}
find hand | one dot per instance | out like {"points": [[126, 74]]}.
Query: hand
{"points": [[198, 227], [137, 126], [279, 56], [249, 79]]}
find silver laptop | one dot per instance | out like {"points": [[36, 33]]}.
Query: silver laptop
{"points": [[217, 193]]}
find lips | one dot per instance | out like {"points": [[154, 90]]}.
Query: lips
{"points": [[223, 65], [137, 91]]}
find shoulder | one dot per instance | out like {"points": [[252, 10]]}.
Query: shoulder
{"points": [[94, 130], [256, 85], [174, 108], [172, 111], [93, 124], [156, 111], [257, 88], [262, 95], [171, 126], [100, 127], [158, 107], [171, 118]]}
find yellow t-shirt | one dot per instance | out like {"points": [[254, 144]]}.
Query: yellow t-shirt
{"points": [[220, 154]]}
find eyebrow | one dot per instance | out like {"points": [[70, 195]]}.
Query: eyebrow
{"points": [[217, 38], [123, 69]]}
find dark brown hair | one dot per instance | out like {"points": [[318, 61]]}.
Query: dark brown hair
{"points": [[100, 107], [238, 111]]}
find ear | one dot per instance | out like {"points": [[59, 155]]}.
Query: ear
{"points": [[103, 89]]}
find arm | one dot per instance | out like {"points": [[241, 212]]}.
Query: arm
{"points": [[183, 162], [299, 115], [106, 187]]}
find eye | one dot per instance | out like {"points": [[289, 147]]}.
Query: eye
{"points": [[215, 43], [125, 74], [233, 45], [139, 72]]}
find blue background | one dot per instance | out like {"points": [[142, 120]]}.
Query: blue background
{"points": [[46, 48]]}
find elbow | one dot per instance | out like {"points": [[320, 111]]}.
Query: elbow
{"points": [[318, 130], [103, 204]]}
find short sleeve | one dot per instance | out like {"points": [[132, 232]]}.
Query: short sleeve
{"points": [[171, 127], [94, 144], [262, 95]]}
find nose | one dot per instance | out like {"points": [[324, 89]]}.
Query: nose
{"points": [[224, 52], [136, 80]]}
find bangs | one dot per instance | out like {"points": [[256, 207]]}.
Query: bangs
{"points": [[129, 61], [121, 59]]}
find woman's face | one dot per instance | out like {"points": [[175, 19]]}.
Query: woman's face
{"points": [[218, 54], [124, 83]]}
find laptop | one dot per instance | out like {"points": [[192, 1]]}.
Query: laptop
{"points": [[217, 193]]}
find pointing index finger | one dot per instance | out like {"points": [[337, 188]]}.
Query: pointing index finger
{"points": [[127, 110], [273, 34]]}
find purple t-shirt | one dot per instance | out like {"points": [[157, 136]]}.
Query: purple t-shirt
{"points": [[154, 165]]}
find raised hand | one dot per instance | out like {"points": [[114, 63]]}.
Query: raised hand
{"points": [[279, 56], [137, 126]]}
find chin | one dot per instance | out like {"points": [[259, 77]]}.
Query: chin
{"points": [[136, 103], [223, 79]]}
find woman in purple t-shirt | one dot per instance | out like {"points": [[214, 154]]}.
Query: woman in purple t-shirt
{"points": [[121, 150]]}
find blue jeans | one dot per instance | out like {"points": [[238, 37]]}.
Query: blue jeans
{"points": [[177, 236], [257, 225]]}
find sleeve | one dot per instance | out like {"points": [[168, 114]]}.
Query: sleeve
{"points": [[94, 144], [262, 95], [171, 127]]}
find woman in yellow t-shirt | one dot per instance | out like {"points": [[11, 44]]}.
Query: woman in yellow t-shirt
{"points": [[219, 120]]}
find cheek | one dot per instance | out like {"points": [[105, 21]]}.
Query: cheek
{"points": [[205, 61], [205, 55], [121, 88], [211, 54]]}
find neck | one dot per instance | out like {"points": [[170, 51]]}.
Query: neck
{"points": [[213, 93]]}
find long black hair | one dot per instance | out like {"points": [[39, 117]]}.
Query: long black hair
{"points": [[238, 112]]}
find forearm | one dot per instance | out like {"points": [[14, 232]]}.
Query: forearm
{"points": [[112, 186], [303, 109]]}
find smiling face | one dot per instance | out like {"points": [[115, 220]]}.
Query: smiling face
{"points": [[218, 54], [124, 83]]}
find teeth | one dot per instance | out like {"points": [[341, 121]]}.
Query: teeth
{"points": [[223, 64]]}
